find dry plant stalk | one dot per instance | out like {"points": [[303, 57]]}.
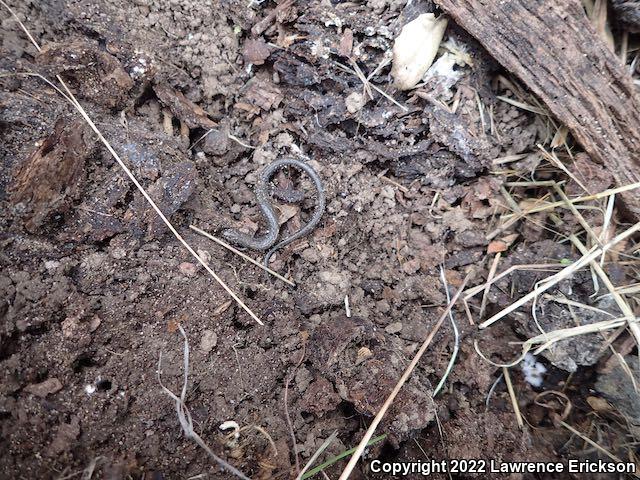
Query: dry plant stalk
{"points": [[456, 337], [512, 396], [590, 442], [403, 379], [586, 198], [72, 99], [240, 254], [561, 275], [620, 301]]}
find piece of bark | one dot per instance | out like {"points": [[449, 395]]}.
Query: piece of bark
{"points": [[49, 386], [556, 52], [184, 109], [92, 73], [48, 182], [255, 51], [346, 43]]}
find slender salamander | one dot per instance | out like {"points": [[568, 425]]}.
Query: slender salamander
{"points": [[263, 198]]}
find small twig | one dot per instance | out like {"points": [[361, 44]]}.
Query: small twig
{"points": [[292, 432], [238, 252], [405, 376]]}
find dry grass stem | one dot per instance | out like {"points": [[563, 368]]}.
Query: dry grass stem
{"points": [[590, 442], [573, 303], [523, 106], [512, 396], [380, 415], [553, 159], [456, 337], [586, 198], [578, 216], [243, 255], [366, 81], [492, 273], [533, 266], [619, 299], [547, 339], [561, 275]]}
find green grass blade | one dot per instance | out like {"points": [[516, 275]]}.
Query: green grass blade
{"points": [[339, 457]]}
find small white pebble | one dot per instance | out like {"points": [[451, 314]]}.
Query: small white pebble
{"points": [[51, 264]]}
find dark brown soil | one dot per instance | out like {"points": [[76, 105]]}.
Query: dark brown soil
{"points": [[94, 285]]}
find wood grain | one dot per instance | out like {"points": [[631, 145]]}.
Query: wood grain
{"points": [[553, 48]]}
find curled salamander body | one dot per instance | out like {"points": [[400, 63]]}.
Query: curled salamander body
{"points": [[263, 198]]}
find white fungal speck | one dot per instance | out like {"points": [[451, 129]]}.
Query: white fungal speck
{"points": [[533, 371], [89, 389]]}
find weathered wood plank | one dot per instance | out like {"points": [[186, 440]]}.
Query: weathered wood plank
{"points": [[556, 52]]}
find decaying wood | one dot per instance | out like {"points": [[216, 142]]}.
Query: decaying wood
{"points": [[49, 180], [555, 51], [184, 109]]}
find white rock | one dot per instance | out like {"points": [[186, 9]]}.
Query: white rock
{"points": [[208, 341], [355, 101]]}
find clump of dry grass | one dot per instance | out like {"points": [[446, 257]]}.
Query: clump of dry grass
{"points": [[597, 237]]}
